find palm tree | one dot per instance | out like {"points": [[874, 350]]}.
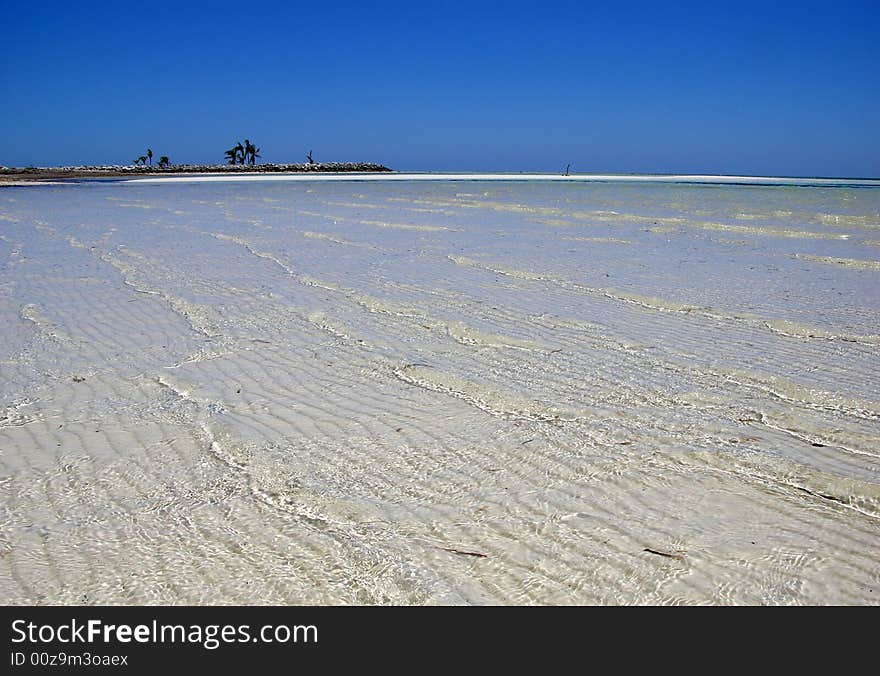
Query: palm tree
{"points": [[242, 154], [311, 161], [136, 161], [251, 152], [235, 155], [143, 160], [164, 161], [150, 155]]}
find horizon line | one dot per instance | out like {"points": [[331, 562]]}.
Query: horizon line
{"points": [[728, 179], [254, 169]]}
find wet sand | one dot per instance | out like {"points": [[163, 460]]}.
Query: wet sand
{"points": [[422, 392]]}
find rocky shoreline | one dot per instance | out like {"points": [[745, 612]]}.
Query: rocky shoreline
{"points": [[9, 174]]}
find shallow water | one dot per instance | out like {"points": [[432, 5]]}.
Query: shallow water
{"points": [[339, 392]]}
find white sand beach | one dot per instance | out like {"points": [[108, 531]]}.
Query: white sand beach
{"points": [[411, 389], [530, 177]]}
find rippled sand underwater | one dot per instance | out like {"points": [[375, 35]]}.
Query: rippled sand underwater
{"points": [[439, 392]]}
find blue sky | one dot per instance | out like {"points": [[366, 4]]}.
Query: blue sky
{"points": [[755, 88]]}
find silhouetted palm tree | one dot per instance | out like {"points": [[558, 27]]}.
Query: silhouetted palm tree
{"points": [[251, 152], [164, 161], [242, 154], [235, 155], [143, 160], [150, 155], [311, 161]]}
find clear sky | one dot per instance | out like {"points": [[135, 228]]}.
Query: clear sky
{"points": [[740, 87]]}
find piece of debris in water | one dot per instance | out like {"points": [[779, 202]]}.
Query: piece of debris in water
{"points": [[463, 552], [659, 553]]}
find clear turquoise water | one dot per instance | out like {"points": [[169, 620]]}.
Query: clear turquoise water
{"points": [[254, 392]]}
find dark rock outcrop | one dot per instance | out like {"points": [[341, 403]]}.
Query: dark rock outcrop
{"points": [[132, 170]]}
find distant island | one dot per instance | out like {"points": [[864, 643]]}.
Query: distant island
{"points": [[240, 158], [119, 171]]}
